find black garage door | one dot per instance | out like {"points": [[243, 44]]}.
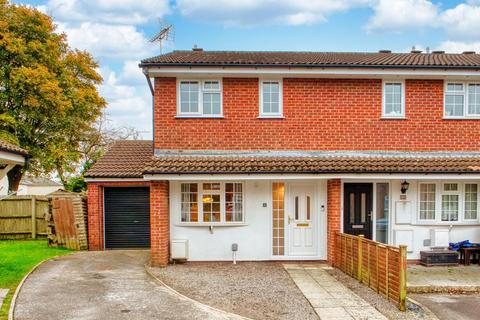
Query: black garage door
{"points": [[127, 218]]}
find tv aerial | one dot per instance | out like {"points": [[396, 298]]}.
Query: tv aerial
{"points": [[166, 34]]}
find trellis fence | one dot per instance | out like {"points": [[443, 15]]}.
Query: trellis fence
{"points": [[381, 267]]}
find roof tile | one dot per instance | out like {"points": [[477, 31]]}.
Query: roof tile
{"points": [[319, 59]]}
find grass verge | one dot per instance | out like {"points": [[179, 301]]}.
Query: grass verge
{"points": [[18, 257]]}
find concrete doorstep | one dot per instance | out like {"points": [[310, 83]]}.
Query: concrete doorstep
{"points": [[330, 298]]}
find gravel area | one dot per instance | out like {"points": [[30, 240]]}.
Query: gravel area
{"points": [[414, 312], [257, 290]]}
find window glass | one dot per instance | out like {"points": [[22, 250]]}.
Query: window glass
{"points": [[393, 103], [449, 207], [189, 96], [200, 98], [474, 99], [427, 201], [382, 212], [233, 202], [278, 216], [454, 100], [308, 208], [270, 97], [471, 201], [189, 196]]}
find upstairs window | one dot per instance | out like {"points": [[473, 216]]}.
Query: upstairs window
{"points": [[393, 99], [199, 98], [271, 99], [462, 100]]}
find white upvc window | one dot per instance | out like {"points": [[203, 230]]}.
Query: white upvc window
{"points": [[393, 100], [427, 201], [462, 100], [448, 202], [450, 197], [212, 202], [271, 100], [199, 98]]}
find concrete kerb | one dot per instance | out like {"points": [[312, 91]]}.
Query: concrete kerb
{"points": [[20, 285], [444, 289], [428, 312], [197, 303]]}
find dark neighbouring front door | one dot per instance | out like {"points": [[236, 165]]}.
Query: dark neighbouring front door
{"points": [[357, 209], [127, 217]]}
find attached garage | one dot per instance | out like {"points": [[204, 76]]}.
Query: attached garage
{"points": [[127, 217]]}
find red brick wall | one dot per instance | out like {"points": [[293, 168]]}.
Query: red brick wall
{"points": [[333, 215], [95, 210], [159, 225], [329, 114]]}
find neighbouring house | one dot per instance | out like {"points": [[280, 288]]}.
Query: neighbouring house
{"points": [[278, 151], [10, 156], [38, 186]]}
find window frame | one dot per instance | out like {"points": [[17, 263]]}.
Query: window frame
{"points": [[201, 222], [439, 191], [384, 114], [274, 115], [466, 114], [201, 91]]}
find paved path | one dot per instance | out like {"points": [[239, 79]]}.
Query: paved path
{"points": [[448, 307], [330, 298], [431, 279], [102, 285]]}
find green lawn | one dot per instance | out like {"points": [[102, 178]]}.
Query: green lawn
{"points": [[17, 257]]}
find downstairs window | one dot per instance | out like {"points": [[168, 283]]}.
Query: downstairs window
{"points": [[212, 202]]}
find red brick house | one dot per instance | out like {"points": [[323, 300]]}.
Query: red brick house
{"points": [[278, 151]]}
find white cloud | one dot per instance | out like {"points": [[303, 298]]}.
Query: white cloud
{"points": [[108, 41], [397, 15], [128, 105], [132, 74], [261, 12], [108, 11], [459, 46], [463, 21]]}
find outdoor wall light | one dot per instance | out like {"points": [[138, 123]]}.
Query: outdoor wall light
{"points": [[405, 186]]}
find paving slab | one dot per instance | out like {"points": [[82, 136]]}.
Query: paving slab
{"points": [[110, 285], [330, 298], [3, 294], [422, 279]]}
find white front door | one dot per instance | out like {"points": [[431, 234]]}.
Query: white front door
{"points": [[302, 220]]}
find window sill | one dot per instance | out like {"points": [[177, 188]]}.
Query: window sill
{"points": [[198, 117], [271, 117], [212, 224], [461, 118], [393, 118]]}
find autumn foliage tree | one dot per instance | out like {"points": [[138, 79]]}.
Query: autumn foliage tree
{"points": [[48, 92]]}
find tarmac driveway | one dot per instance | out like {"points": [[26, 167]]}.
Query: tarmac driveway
{"points": [[102, 285], [449, 307]]}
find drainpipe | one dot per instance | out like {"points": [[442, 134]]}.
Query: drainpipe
{"points": [[152, 91]]}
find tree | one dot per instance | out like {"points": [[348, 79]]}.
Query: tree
{"points": [[48, 91], [94, 147]]}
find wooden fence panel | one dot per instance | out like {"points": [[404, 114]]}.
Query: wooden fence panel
{"points": [[23, 217], [381, 267], [67, 221]]}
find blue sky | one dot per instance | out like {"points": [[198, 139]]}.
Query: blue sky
{"points": [[116, 32]]}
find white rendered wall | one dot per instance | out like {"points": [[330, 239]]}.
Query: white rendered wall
{"points": [[254, 239], [420, 231]]}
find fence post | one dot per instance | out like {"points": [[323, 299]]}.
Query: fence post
{"points": [[403, 278], [359, 258], [34, 217]]}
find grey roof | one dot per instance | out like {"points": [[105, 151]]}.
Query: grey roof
{"points": [[28, 180]]}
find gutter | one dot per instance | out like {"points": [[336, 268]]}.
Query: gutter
{"points": [[304, 65]]}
